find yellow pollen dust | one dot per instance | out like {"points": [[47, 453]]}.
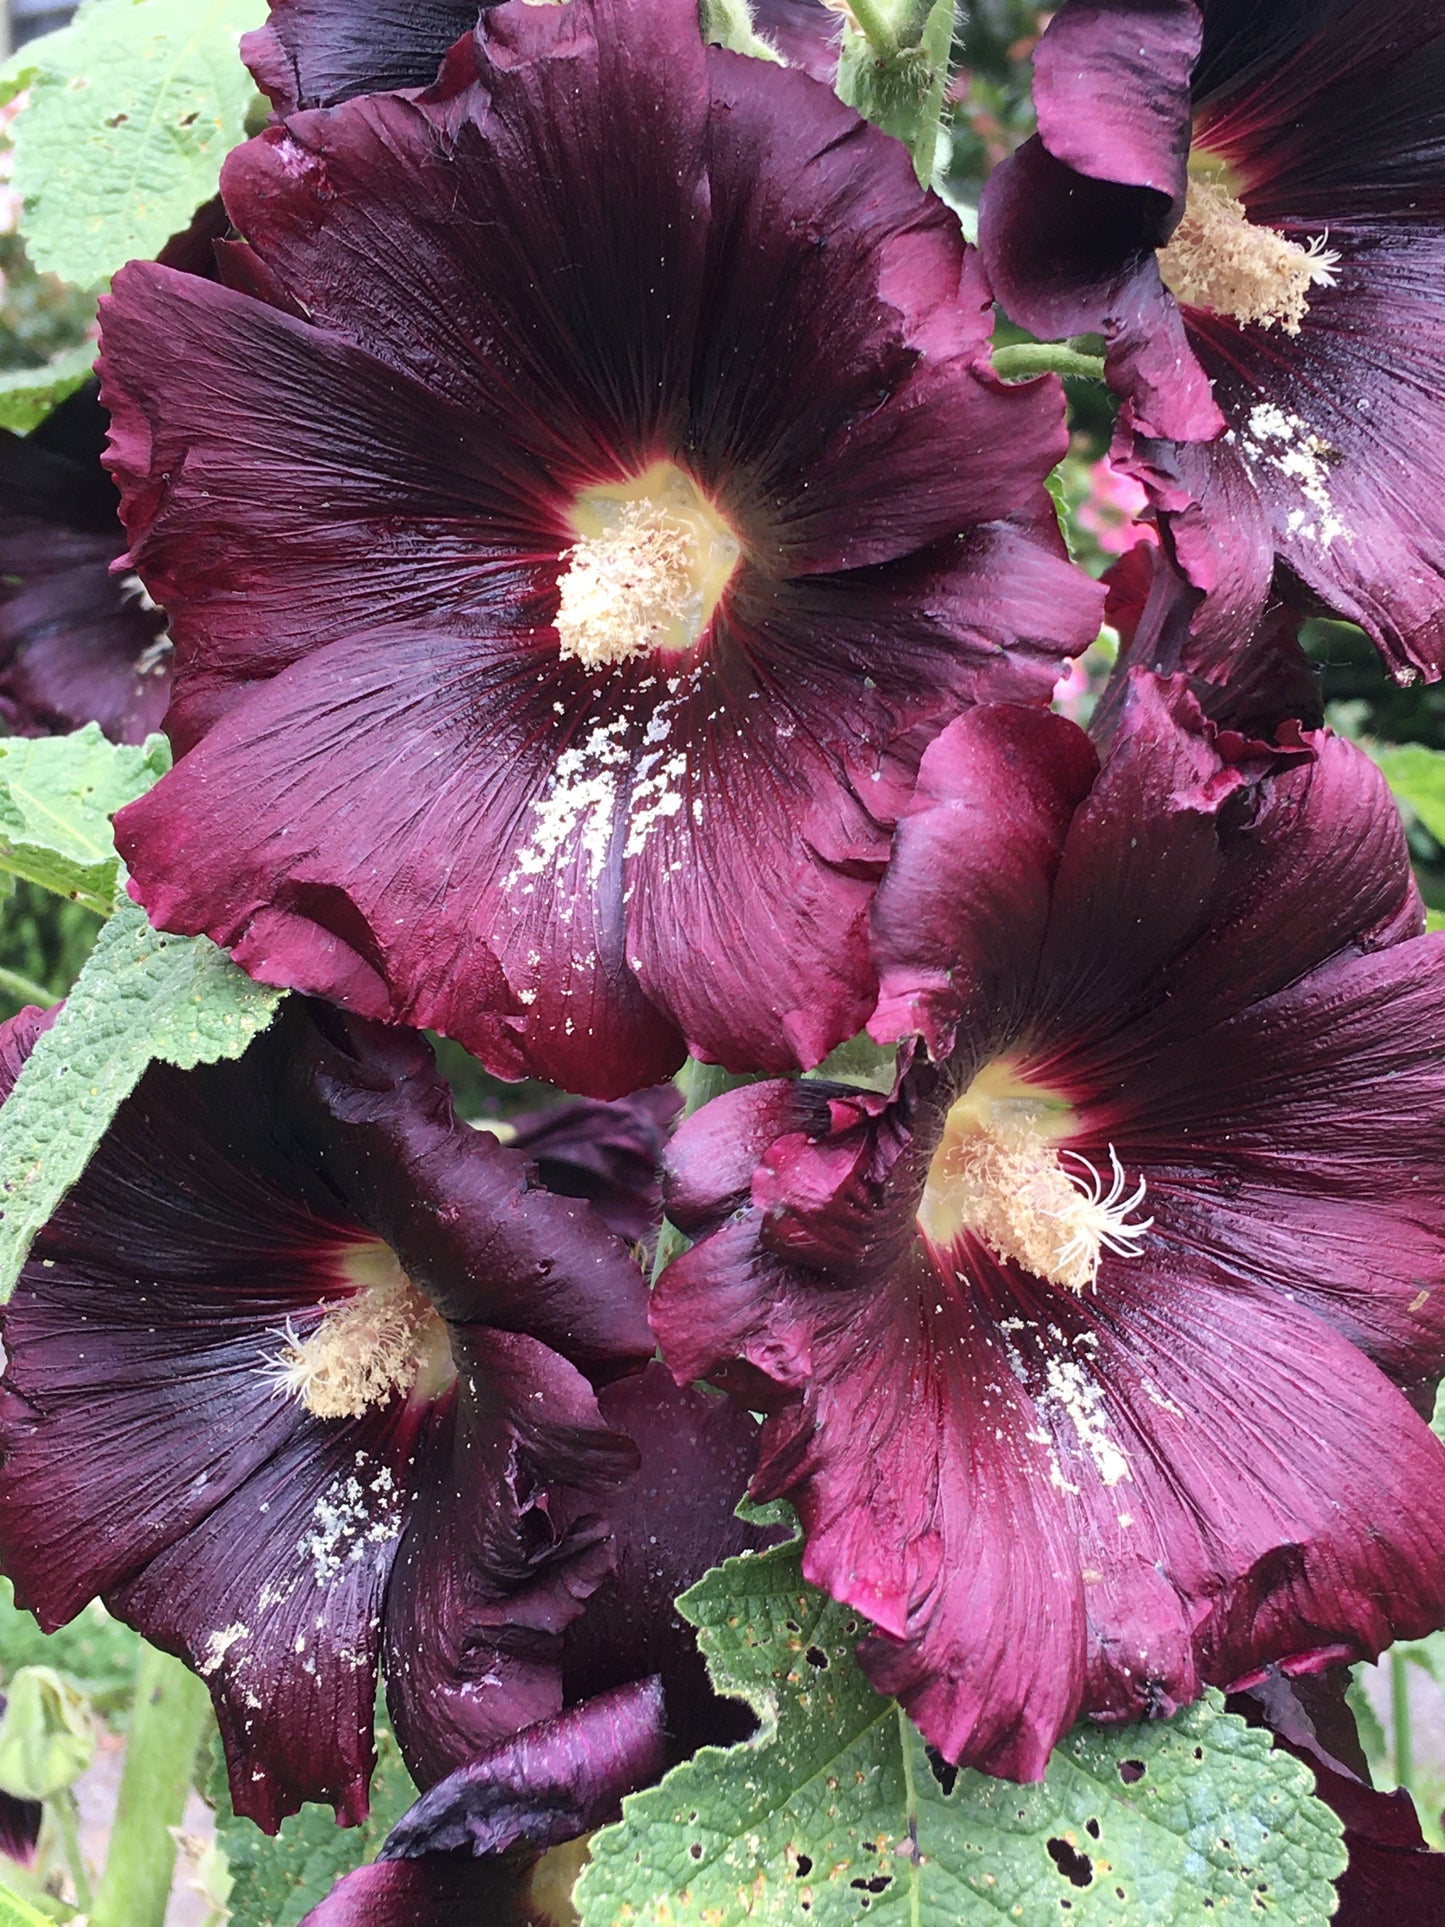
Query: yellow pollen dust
{"points": [[1218, 259], [385, 1340], [648, 569], [999, 1174]]}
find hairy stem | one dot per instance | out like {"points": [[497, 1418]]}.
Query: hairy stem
{"points": [[63, 1812], [171, 1711], [1043, 358], [1400, 1720], [729, 23]]}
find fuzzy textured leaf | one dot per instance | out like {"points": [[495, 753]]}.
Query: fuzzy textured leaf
{"points": [[132, 109], [276, 1882], [27, 395], [1416, 776], [833, 1813], [15, 1912], [143, 995], [57, 796]]}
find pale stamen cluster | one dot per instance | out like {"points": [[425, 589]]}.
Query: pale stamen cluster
{"points": [[622, 589], [364, 1352], [1218, 259]]}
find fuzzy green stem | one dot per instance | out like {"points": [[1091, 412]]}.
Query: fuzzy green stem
{"points": [[25, 990], [171, 1711], [699, 1083], [895, 72], [1400, 1721], [1044, 358], [729, 23], [876, 28], [63, 1812]]}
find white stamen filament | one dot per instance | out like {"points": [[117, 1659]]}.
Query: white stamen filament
{"points": [[1218, 259], [366, 1349]]}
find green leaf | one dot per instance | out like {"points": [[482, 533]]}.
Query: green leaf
{"points": [[15, 1912], [94, 1650], [833, 1813], [27, 395], [132, 109], [1416, 775], [57, 796], [143, 995], [275, 1882]]}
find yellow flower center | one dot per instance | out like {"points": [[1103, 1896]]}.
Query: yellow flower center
{"points": [[384, 1340], [1218, 259], [647, 571], [999, 1174]]}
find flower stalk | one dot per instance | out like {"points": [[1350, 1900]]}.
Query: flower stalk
{"points": [[171, 1711], [1024, 358], [894, 70]]}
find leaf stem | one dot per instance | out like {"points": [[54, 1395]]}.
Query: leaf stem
{"points": [[876, 28], [170, 1714], [1400, 1720], [63, 1810], [1043, 358], [25, 990]]}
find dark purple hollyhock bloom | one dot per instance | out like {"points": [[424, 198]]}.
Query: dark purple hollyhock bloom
{"points": [[1394, 1878], [314, 53], [606, 1153], [1088, 1352], [321, 1384], [637, 1691], [1247, 200], [78, 643], [611, 558]]}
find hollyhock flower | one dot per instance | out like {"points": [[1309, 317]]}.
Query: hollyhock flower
{"points": [[1088, 1352], [606, 1153], [78, 643], [303, 1366], [638, 1694], [577, 577], [315, 53], [1247, 201]]}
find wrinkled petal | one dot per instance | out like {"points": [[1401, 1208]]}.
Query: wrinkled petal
{"points": [[313, 53], [435, 1892], [574, 863], [606, 1153]]}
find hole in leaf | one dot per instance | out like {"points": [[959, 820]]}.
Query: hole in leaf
{"points": [[804, 1867], [696, 1850], [879, 1884], [188, 120], [1130, 1771], [946, 1775], [1199, 1752], [1091, 1827], [117, 120], [1119, 1894], [1074, 1866], [792, 1625], [815, 1656]]}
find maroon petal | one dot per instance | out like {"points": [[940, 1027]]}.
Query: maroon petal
{"points": [[546, 1785], [575, 863], [275, 1599], [20, 1828], [1112, 89], [436, 1892], [805, 32], [606, 1153], [505, 1547], [313, 53]]}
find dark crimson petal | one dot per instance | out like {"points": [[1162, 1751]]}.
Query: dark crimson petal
{"points": [[805, 32], [313, 53], [440, 1891], [672, 1523], [709, 1169], [505, 1546], [960, 917], [19, 1828], [275, 1599], [547, 1784], [469, 1226], [1112, 89], [606, 1153], [352, 887], [1067, 254]]}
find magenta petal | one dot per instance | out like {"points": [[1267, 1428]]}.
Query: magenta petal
{"points": [[436, 1892], [313, 53], [504, 1549], [962, 912], [1111, 87], [548, 1784], [805, 32], [275, 1600]]}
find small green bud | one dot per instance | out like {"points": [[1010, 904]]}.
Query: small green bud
{"points": [[47, 1735]]}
